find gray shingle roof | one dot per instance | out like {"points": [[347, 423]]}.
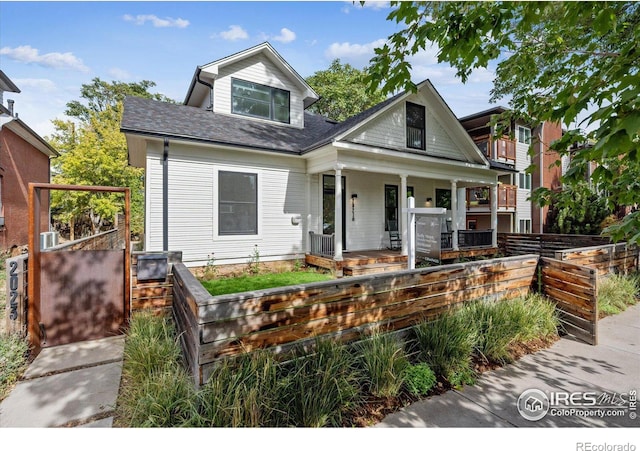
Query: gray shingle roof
{"points": [[152, 117]]}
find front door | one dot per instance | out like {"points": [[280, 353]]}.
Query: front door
{"points": [[329, 207]]}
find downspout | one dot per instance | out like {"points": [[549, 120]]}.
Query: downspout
{"points": [[208, 85], [165, 196]]}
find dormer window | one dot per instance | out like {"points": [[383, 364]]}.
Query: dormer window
{"points": [[415, 126], [256, 100]]}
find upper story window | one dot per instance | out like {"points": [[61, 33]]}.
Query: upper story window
{"points": [[256, 100], [524, 135], [415, 126]]}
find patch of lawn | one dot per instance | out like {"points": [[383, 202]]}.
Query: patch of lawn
{"points": [[240, 284]]}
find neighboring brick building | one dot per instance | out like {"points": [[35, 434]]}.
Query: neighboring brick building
{"points": [[24, 158]]}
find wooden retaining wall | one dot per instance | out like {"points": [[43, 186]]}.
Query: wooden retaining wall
{"points": [[156, 294], [608, 259], [213, 327], [546, 244], [574, 289]]}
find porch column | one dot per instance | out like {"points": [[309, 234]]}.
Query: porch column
{"points": [[402, 220], [494, 215], [337, 251], [306, 226], [454, 214]]}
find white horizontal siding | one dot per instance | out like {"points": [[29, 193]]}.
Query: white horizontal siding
{"points": [[523, 161], [257, 69], [193, 206], [389, 131]]}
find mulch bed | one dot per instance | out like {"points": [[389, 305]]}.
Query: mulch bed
{"points": [[374, 409]]}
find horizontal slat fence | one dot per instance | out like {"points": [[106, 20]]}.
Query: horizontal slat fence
{"points": [[156, 295], [613, 258], [218, 326], [574, 289], [545, 244]]}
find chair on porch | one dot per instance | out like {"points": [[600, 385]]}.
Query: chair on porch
{"points": [[395, 239]]}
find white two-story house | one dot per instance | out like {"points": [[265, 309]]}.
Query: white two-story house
{"points": [[241, 163]]}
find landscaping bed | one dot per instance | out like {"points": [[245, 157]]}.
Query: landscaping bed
{"points": [[253, 282], [353, 385]]}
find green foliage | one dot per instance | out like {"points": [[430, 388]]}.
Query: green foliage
{"points": [[318, 388], [617, 292], [446, 345], [157, 391], [576, 209], [343, 91], [419, 379], [253, 264], [241, 392], [94, 152], [555, 61], [244, 283], [383, 363], [14, 351]]}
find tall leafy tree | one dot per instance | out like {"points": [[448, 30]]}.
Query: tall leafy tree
{"points": [[576, 63], [94, 152], [343, 91]]}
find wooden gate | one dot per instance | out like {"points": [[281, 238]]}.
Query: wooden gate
{"points": [[76, 295]]}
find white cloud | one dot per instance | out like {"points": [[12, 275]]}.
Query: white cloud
{"points": [[234, 33], [157, 22], [56, 60], [119, 74], [347, 50], [38, 84], [374, 5], [285, 36]]}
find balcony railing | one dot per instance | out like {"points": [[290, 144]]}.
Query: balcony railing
{"points": [[504, 147], [481, 197], [322, 245]]}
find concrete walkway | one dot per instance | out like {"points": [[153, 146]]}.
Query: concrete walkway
{"points": [[73, 385], [609, 369]]}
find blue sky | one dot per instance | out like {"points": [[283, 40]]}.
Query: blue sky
{"points": [[49, 49]]}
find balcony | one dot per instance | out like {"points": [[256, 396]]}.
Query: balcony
{"points": [[504, 147], [479, 198]]}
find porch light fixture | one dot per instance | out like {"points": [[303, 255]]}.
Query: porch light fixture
{"points": [[353, 206], [428, 202]]}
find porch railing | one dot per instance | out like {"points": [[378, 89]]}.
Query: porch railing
{"points": [[322, 245], [467, 238], [446, 240], [473, 238]]}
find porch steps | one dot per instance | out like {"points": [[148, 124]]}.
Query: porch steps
{"points": [[373, 268]]}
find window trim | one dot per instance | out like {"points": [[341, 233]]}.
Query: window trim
{"points": [[272, 106], [423, 143], [522, 127], [410, 192], [216, 204]]}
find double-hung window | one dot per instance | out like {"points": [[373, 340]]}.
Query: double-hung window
{"points": [[237, 203], [524, 181], [256, 100], [524, 135], [415, 126]]}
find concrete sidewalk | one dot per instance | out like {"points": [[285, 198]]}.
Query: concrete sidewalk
{"points": [[73, 385], [611, 368]]}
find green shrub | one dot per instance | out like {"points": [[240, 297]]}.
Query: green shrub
{"points": [[616, 293], [163, 399], [419, 379], [446, 345], [14, 351], [241, 392], [383, 361], [157, 391], [150, 346], [316, 389]]}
